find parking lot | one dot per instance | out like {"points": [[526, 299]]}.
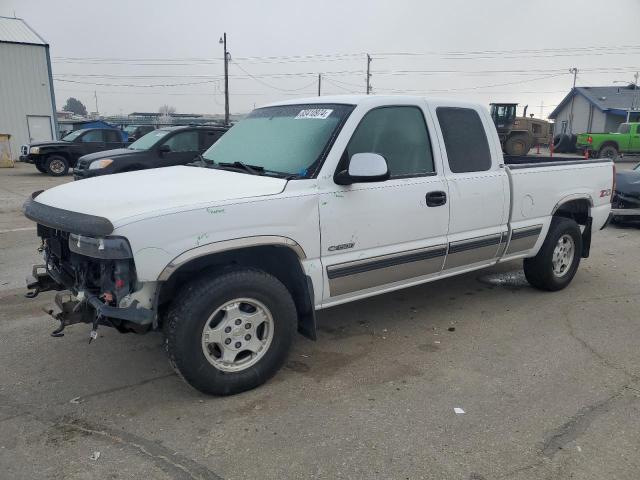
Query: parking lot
{"points": [[549, 383]]}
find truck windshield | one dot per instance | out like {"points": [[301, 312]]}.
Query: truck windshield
{"points": [[149, 140], [70, 137], [288, 139]]}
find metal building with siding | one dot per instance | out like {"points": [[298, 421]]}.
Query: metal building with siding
{"points": [[27, 101]]}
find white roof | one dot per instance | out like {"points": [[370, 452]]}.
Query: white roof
{"points": [[375, 100], [16, 30]]}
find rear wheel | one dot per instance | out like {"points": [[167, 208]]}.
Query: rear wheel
{"points": [[56, 165], [517, 145], [556, 263], [608, 151], [232, 331]]}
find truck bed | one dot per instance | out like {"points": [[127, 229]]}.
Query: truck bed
{"points": [[540, 184], [528, 161]]}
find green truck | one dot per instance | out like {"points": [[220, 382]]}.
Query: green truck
{"points": [[611, 145]]}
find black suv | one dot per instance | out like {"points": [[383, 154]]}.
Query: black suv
{"points": [[164, 147], [55, 157]]}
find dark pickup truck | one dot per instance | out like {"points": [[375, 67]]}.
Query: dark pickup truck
{"points": [[164, 147], [56, 157]]}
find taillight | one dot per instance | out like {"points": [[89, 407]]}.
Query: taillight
{"points": [[613, 184], [589, 139]]}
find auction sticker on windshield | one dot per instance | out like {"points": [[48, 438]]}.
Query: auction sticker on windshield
{"points": [[321, 113]]}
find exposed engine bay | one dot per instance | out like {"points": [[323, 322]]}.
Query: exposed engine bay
{"points": [[100, 275]]}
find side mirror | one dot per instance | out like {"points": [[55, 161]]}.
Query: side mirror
{"points": [[164, 148], [364, 167]]}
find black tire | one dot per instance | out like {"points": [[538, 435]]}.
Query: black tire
{"points": [[608, 151], [56, 165], [561, 143], [571, 146], [40, 168], [539, 269], [517, 145], [193, 307]]}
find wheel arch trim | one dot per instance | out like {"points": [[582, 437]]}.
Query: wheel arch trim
{"points": [[570, 198], [229, 245]]}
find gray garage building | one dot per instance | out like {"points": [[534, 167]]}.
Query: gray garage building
{"points": [[597, 109], [27, 102]]}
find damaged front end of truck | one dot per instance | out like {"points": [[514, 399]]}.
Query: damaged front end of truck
{"points": [[93, 272]]}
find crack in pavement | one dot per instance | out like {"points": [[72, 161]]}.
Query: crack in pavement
{"points": [[171, 462], [176, 465], [603, 360], [577, 424], [580, 422], [82, 398]]}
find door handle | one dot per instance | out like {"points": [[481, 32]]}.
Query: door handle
{"points": [[436, 199]]}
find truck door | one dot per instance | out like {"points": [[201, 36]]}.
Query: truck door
{"points": [[390, 233], [184, 147], [634, 142], [113, 139], [478, 187], [93, 141]]}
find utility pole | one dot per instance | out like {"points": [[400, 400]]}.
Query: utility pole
{"points": [[223, 41], [95, 95], [541, 108], [368, 74], [635, 105], [319, 83], [573, 70]]}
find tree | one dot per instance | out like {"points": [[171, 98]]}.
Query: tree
{"points": [[166, 110], [76, 106]]}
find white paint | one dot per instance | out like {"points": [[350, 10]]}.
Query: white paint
{"points": [[458, 410]]}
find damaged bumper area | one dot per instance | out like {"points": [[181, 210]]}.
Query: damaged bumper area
{"points": [[97, 271]]}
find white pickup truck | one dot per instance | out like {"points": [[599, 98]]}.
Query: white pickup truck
{"points": [[301, 206]]}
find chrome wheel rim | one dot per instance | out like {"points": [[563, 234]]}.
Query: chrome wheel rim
{"points": [[237, 335], [563, 254], [56, 166]]}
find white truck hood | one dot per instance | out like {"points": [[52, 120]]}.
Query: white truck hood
{"points": [[147, 193]]}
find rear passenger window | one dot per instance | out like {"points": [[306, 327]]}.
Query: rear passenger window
{"points": [[93, 136], [208, 138], [113, 136], [400, 135], [465, 139]]}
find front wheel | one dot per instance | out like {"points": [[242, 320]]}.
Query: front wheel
{"points": [[517, 145], [56, 166], [556, 263], [232, 331]]}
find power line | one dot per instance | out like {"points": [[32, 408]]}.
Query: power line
{"points": [[273, 86], [135, 85]]}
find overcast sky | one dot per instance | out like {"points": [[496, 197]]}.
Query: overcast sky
{"points": [[484, 50]]}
